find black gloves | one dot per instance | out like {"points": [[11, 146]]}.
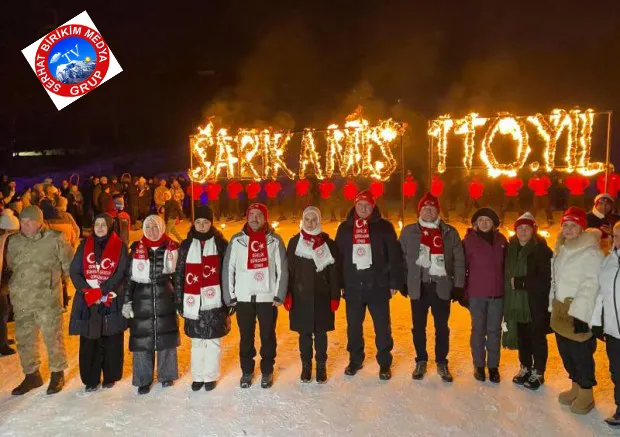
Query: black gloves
{"points": [[458, 293], [598, 332], [580, 327]]}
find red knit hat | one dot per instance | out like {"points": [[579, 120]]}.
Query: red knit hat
{"points": [[428, 200], [575, 215], [365, 195], [526, 219], [262, 208]]}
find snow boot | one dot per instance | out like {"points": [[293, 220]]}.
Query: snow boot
{"points": [[523, 375], [567, 397], [321, 373], [90, 388], [419, 371], [479, 374], [584, 402], [306, 373], [494, 375], [352, 369], [197, 385], [145, 389], [57, 382], [167, 384], [30, 382], [444, 372], [535, 380], [385, 373], [210, 385], [6, 350], [615, 419], [266, 380], [246, 380]]}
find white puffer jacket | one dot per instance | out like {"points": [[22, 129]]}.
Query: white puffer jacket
{"points": [[608, 299], [574, 273]]}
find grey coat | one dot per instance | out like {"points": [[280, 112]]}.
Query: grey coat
{"points": [[454, 259]]}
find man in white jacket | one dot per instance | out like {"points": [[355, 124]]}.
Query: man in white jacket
{"points": [[255, 280], [606, 316]]}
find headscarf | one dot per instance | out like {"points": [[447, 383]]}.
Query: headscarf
{"points": [[311, 244]]}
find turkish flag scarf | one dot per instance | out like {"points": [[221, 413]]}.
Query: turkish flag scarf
{"points": [[258, 258], [95, 273], [362, 253], [431, 254], [141, 266], [202, 291]]}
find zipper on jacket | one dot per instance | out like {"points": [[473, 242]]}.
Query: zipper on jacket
{"points": [[153, 290]]}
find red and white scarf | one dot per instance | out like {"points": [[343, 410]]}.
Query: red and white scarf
{"points": [[311, 244], [202, 291], [362, 253], [258, 257], [95, 274], [140, 267], [431, 255]]}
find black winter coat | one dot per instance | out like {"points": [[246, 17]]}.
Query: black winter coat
{"points": [[537, 282], [312, 291], [387, 269], [213, 323], [155, 325], [98, 320]]}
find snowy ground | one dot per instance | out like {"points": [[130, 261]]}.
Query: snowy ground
{"points": [[356, 406]]}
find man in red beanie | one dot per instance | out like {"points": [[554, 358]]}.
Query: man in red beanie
{"points": [[371, 262], [435, 274], [602, 216], [255, 280]]}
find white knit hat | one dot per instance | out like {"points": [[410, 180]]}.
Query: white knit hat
{"points": [[526, 219], [8, 221]]}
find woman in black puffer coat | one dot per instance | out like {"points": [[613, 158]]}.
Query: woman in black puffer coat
{"points": [[199, 298], [150, 306], [98, 274]]}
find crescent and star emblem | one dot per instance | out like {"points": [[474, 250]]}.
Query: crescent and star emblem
{"points": [[359, 223], [435, 241], [208, 271], [90, 259], [191, 279]]}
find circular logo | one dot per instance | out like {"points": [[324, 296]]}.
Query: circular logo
{"points": [[140, 266], [210, 293], [320, 252], [190, 301], [170, 255], [72, 60], [361, 251], [259, 276]]}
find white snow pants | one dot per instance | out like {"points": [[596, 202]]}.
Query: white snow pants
{"points": [[205, 359]]}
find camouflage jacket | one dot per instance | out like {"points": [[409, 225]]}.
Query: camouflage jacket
{"points": [[38, 265]]}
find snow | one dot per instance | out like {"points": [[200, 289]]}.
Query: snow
{"points": [[357, 406]]}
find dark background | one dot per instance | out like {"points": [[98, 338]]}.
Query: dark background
{"points": [[293, 64]]}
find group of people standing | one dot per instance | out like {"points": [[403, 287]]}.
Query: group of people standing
{"points": [[517, 285]]}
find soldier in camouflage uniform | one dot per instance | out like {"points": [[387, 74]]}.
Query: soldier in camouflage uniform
{"points": [[39, 259]]}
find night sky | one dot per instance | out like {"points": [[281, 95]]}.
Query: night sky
{"points": [[298, 63]]}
